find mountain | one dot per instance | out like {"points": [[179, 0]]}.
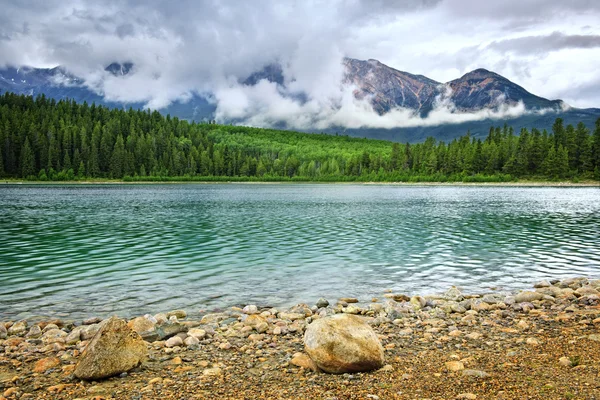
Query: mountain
{"points": [[473, 91], [485, 89], [118, 69], [389, 87], [55, 82], [386, 88]]}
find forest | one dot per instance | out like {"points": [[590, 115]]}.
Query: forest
{"points": [[43, 139]]}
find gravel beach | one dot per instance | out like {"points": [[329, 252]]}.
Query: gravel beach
{"points": [[542, 343]]}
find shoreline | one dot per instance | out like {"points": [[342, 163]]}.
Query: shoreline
{"points": [[120, 182], [542, 342]]}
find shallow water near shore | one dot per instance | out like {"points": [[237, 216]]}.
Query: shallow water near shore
{"points": [[75, 251]]}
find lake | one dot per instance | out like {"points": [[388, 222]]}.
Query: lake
{"points": [[74, 251]]}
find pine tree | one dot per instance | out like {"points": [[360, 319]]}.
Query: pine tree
{"points": [[27, 160], [117, 161], [549, 165], [562, 162], [596, 145]]}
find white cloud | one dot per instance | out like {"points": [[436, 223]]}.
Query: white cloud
{"points": [[204, 46]]}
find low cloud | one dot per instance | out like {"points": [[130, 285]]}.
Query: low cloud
{"points": [[195, 47], [268, 104]]}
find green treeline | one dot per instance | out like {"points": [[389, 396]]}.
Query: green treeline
{"points": [[45, 139]]}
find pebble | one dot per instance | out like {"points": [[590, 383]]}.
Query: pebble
{"points": [[527, 296], [250, 309], [174, 341], [454, 366], [467, 396], [322, 303], [475, 373], [212, 371], [565, 361]]}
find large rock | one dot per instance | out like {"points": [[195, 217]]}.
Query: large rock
{"points": [[115, 348], [343, 343]]}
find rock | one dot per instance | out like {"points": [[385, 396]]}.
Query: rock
{"points": [[18, 328], [197, 333], [180, 314], [304, 361], [290, 316], [351, 309], [454, 366], [542, 284], [523, 325], [253, 320], [169, 329], [212, 371], [564, 361], [174, 341], [191, 341], [34, 333], [343, 343], [594, 337], [453, 294], [474, 335], [142, 325], [250, 309], [114, 349], [492, 298], [74, 336], [54, 336], [467, 396], [400, 298], [587, 290], [3, 332], [532, 342], [349, 300], [45, 364], [527, 297], [303, 309], [89, 331], [160, 318], [418, 302], [92, 321], [262, 327], [475, 373], [322, 303]]}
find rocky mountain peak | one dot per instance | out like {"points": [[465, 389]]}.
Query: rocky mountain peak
{"points": [[118, 69]]}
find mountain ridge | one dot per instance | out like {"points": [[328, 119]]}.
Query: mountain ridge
{"points": [[385, 87]]}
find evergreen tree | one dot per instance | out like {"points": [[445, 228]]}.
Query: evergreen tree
{"points": [[596, 145], [27, 160], [118, 159]]}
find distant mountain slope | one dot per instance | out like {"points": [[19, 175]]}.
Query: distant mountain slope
{"points": [[483, 89], [384, 87], [389, 87]]}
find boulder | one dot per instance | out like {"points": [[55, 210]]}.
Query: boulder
{"points": [[343, 343], [114, 349], [3, 331]]}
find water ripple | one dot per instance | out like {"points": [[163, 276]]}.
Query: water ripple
{"points": [[78, 251]]}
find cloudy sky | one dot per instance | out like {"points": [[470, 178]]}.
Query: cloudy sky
{"points": [[551, 47]]}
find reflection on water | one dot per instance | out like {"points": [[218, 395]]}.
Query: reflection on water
{"points": [[78, 251]]}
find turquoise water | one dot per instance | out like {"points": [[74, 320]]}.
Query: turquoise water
{"points": [[86, 250]]}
